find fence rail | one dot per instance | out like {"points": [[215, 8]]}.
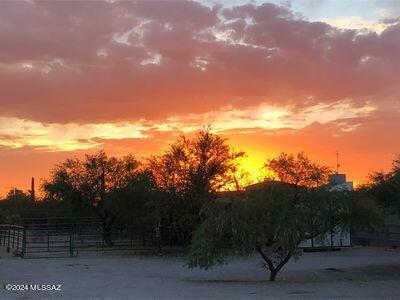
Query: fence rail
{"points": [[388, 236], [12, 237], [45, 239], [71, 241]]}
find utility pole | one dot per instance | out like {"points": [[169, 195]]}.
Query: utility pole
{"points": [[337, 162]]}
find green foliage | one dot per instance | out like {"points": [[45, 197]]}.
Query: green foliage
{"points": [[241, 224], [273, 221]]}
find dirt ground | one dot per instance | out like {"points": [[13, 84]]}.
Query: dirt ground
{"points": [[359, 273]]}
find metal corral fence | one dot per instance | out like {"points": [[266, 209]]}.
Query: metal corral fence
{"points": [[70, 241], [388, 236], [61, 238], [12, 237]]}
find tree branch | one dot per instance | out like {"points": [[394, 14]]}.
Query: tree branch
{"points": [[269, 262], [283, 262]]}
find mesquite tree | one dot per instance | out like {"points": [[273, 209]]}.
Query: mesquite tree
{"points": [[95, 183], [272, 223], [274, 219]]}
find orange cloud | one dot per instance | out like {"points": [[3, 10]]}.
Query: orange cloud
{"points": [[132, 76]]}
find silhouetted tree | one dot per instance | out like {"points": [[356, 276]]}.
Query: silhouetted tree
{"points": [[14, 205], [95, 183], [385, 188], [191, 172], [196, 167], [298, 170]]}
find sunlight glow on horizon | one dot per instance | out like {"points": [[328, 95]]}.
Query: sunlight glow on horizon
{"points": [[131, 77], [16, 133]]}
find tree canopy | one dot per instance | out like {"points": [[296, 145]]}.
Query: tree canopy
{"points": [[190, 173], [298, 170], [385, 188], [99, 183], [274, 220], [196, 167]]}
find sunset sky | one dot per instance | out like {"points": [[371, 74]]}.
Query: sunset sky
{"points": [[130, 77]]}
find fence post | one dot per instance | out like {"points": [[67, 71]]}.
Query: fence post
{"points": [[170, 236], [13, 239], [5, 236], [102, 238], [18, 229], [158, 236], [8, 243], [71, 244], [48, 239], [131, 236], [23, 242]]}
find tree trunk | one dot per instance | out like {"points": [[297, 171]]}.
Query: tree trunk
{"points": [[272, 275], [107, 231], [274, 270], [107, 235]]}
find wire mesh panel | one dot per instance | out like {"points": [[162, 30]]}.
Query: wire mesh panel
{"points": [[63, 237], [387, 236], [48, 240], [12, 238]]}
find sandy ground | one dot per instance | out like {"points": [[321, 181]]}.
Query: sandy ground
{"points": [[350, 273]]}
